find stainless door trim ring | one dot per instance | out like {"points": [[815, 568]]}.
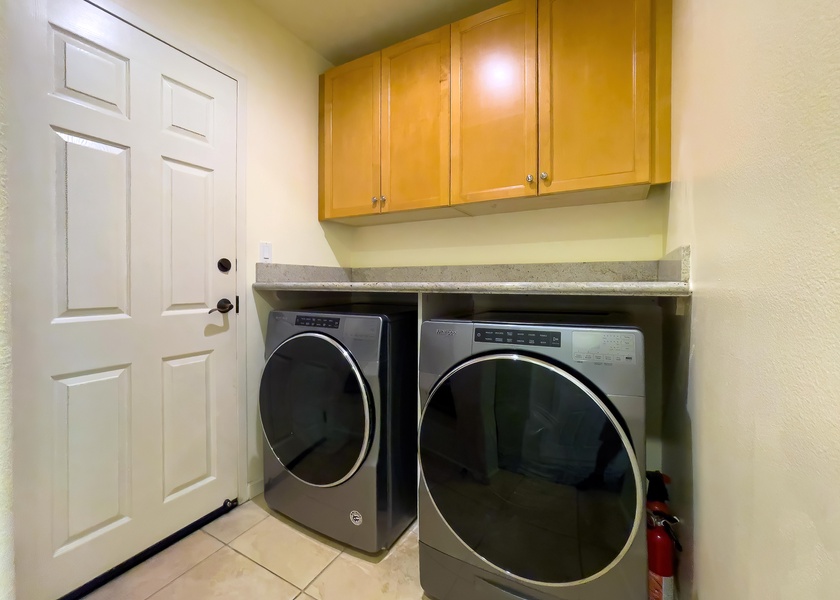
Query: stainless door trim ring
{"points": [[628, 446], [365, 397]]}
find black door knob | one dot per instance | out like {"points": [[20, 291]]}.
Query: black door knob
{"points": [[224, 305]]}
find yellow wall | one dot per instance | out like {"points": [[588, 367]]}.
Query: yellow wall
{"points": [[281, 146], [7, 570], [757, 195], [620, 231]]}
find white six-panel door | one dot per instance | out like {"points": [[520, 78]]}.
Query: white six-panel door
{"points": [[124, 183]]}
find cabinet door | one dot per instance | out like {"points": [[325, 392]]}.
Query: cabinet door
{"points": [[415, 122], [350, 128], [494, 110], [594, 93]]}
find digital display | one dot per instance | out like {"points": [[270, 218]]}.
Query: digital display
{"points": [[604, 348], [518, 337], [317, 321]]}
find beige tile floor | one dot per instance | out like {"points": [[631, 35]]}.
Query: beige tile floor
{"points": [[255, 553]]}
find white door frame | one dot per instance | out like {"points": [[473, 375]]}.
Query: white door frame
{"points": [[173, 39]]}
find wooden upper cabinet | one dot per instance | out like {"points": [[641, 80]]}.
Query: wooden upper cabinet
{"points": [[595, 93], [494, 104], [661, 101], [415, 122], [524, 101], [350, 130]]}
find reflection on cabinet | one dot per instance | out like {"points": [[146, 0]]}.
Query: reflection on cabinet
{"points": [[494, 104], [350, 145], [408, 139], [594, 116]]}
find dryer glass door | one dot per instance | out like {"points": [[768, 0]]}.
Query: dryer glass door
{"points": [[531, 469], [315, 409]]}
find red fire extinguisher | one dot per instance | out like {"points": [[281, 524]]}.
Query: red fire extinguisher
{"points": [[662, 548], [661, 541]]}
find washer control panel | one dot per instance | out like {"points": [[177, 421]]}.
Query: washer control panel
{"points": [[317, 321], [607, 348], [518, 337]]}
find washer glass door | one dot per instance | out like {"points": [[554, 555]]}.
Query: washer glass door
{"points": [[530, 469], [315, 409]]}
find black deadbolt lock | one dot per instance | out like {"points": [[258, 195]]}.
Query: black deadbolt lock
{"points": [[224, 265]]}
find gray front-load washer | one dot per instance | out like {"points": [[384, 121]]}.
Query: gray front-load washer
{"points": [[338, 406], [532, 460]]}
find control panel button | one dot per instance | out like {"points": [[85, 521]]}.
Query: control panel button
{"points": [[604, 349]]}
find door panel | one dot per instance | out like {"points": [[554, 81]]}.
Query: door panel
{"points": [[415, 122], [89, 74], [187, 111], [124, 385], [187, 242], [90, 430], [188, 408], [351, 138], [594, 93], [92, 207], [494, 103]]}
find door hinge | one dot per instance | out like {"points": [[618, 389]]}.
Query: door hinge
{"points": [[237, 305]]}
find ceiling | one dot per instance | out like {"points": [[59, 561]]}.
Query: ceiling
{"points": [[341, 30]]}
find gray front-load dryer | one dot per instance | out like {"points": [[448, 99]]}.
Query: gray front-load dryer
{"points": [[338, 406], [532, 460]]}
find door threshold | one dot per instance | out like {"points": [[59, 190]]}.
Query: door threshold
{"points": [[123, 567]]}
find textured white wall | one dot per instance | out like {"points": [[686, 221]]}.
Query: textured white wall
{"points": [[7, 570], [756, 193]]}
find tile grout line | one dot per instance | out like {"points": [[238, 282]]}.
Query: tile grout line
{"points": [[228, 545], [321, 572], [265, 569], [238, 535], [223, 545], [343, 551], [185, 572]]}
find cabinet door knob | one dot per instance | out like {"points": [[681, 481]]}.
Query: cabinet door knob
{"points": [[543, 175], [529, 179], [383, 200], [373, 201]]}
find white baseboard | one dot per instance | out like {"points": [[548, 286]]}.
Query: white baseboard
{"points": [[255, 488]]}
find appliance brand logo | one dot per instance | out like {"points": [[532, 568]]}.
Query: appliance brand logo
{"points": [[447, 332]]}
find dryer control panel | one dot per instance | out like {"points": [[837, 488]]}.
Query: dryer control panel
{"points": [[317, 321], [518, 337], [607, 348]]}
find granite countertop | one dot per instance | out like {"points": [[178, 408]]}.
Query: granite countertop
{"points": [[666, 277]]}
